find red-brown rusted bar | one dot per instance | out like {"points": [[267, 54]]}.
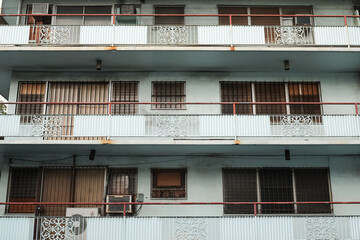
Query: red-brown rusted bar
{"points": [[255, 209]]}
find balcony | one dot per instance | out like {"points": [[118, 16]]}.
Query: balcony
{"points": [[112, 126], [186, 35], [209, 227]]}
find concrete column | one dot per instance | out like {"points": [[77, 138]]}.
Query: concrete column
{"points": [[4, 178]]}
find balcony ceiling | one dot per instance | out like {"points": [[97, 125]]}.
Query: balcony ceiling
{"points": [[155, 148], [244, 59]]}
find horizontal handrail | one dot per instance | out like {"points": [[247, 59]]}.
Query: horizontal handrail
{"points": [[124, 204]]}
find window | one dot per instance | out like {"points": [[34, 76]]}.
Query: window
{"points": [[276, 185], [83, 20], [125, 92], [127, 9], [122, 182], [172, 20], [271, 92], [168, 92], [31, 92], [168, 183], [23, 188]]}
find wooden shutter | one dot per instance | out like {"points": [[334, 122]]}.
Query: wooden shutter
{"points": [[125, 92], [312, 185], [270, 92], [236, 92], [304, 92], [276, 185], [93, 92], [31, 92], [89, 186], [239, 186], [169, 20], [56, 188], [232, 10]]}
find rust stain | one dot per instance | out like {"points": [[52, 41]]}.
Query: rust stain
{"points": [[112, 48], [237, 142], [106, 142], [232, 48]]}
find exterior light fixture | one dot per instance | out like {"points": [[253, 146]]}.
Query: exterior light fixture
{"points": [[92, 154], [98, 65], [287, 65], [287, 155]]}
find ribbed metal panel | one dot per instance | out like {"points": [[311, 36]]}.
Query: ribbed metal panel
{"points": [[330, 36], [14, 34], [341, 126], [248, 35], [124, 229], [113, 34], [354, 225], [221, 125], [103, 125], [354, 35], [10, 125], [214, 35], [16, 228]]}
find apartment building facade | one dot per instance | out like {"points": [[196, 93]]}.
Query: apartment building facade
{"points": [[189, 120]]}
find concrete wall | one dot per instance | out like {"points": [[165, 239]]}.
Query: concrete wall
{"points": [[204, 87], [320, 7], [204, 177]]}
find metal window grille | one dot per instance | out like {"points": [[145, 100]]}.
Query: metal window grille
{"points": [[236, 92], [312, 185], [31, 92], [276, 186], [23, 186], [270, 92], [168, 183], [125, 92], [304, 92], [240, 185], [122, 182], [168, 92]]}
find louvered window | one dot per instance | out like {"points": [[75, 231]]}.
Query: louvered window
{"points": [[168, 92], [276, 185], [304, 92], [233, 10], [270, 92], [23, 186], [171, 20], [125, 92], [31, 92]]}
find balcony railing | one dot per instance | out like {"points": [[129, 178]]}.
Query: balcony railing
{"points": [[175, 125], [183, 227], [205, 35]]}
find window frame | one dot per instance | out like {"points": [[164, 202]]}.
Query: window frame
{"points": [[253, 96], [182, 171], [172, 106], [294, 190]]}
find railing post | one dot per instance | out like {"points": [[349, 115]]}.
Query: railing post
{"points": [[124, 212], [347, 31], [255, 209], [113, 23], [231, 31], [356, 109]]}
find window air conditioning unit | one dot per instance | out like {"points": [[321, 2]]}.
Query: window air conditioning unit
{"points": [[303, 21], [76, 223], [40, 8], [118, 208]]}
